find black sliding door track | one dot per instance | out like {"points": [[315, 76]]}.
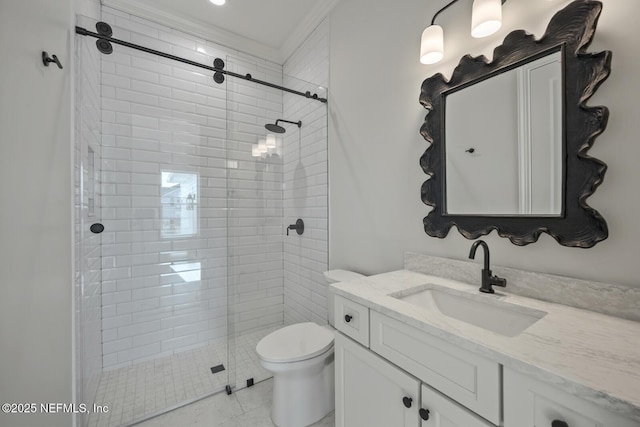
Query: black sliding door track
{"points": [[217, 68]]}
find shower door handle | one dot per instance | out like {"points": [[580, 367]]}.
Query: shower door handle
{"points": [[96, 228]]}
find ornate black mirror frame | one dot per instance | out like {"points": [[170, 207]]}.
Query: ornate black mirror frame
{"points": [[571, 30]]}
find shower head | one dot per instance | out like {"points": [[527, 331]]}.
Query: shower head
{"points": [[275, 128]]}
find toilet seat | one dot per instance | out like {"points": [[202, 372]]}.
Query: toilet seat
{"points": [[295, 343]]}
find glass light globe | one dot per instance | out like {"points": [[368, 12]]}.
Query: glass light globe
{"points": [[486, 17], [432, 45]]}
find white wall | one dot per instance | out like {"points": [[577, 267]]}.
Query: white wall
{"points": [[36, 209], [375, 208]]}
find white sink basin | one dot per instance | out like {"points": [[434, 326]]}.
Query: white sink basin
{"points": [[484, 311]]}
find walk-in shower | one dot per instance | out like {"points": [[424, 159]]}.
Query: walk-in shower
{"points": [[194, 266]]}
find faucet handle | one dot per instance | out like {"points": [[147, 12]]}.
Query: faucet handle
{"points": [[499, 281]]}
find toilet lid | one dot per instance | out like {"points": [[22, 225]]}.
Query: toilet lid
{"points": [[294, 343]]}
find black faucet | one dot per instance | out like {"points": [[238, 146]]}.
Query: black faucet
{"points": [[487, 279]]}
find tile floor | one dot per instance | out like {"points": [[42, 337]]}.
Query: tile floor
{"points": [[149, 387], [250, 407]]}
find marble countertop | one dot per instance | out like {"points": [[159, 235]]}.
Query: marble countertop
{"points": [[590, 355]]}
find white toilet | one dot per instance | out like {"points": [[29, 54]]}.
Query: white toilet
{"points": [[300, 357]]}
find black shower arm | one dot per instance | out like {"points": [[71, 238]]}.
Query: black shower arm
{"points": [[299, 123]]}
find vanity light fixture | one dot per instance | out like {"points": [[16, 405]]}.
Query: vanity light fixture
{"points": [[486, 19], [432, 44], [218, 2]]}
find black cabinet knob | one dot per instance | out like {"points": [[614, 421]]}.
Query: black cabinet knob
{"points": [[407, 401], [424, 414], [347, 318], [558, 423], [96, 228]]}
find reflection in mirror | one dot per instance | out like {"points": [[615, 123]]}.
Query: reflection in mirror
{"points": [[503, 142]]}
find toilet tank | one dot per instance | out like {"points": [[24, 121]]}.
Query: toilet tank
{"points": [[336, 276]]}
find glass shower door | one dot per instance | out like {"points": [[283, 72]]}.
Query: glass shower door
{"points": [[87, 212], [273, 179], [164, 205], [255, 262]]}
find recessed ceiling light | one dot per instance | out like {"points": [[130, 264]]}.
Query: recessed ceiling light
{"points": [[218, 2]]}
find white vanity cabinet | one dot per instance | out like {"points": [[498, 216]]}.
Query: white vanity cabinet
{"points": [[392, 374], [469, 379], [440, 411], [372, 392], [531, 403]]}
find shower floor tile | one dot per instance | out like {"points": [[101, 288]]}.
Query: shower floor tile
{"points": [[147, 388]]}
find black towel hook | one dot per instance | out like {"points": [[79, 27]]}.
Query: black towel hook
{"points": [[46, 60]]}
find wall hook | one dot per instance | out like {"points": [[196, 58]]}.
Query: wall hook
{"points": [[470, 150], [46, 60]]}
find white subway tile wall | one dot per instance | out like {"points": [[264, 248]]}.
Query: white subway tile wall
{"points": [[87, 277], [184, 201], [306, 183]]}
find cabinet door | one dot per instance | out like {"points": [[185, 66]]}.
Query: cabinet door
{"points": [[531, 403], [466, 377], [441, 411], [370, 391]]}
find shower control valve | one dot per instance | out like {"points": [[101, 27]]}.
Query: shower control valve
{"points": [[298, 226]]}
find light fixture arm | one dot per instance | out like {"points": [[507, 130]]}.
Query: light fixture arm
{"points": [[433, 20], [486, 19]]}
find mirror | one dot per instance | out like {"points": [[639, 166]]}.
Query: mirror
{"points": [[509, 137], [514, 168]]}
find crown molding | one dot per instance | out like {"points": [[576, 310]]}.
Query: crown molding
{"points": [[319, 12], [199, 29]]}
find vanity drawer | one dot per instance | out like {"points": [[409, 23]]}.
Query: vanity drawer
{"points": [[531, 403], [465, 377], [352, 319]]}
